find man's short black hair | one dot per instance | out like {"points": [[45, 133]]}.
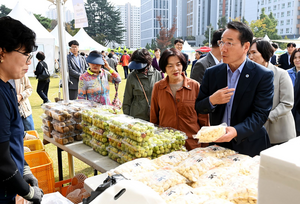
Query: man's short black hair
{"points": [[178, 40], [199, 52], [73, 42], [275, 45], [125, 51], [217, 36], [110, 55], [291, 44], [246, 34], [15, 35]]}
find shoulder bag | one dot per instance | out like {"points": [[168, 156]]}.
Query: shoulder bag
{"points": [[148, 112], [45, 74], [117, 102]]}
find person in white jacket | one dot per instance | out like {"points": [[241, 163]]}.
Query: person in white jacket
{"points": [[24, 90]]}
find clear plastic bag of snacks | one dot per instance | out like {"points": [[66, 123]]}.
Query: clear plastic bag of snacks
{"points": [[235, 158], [242, 189], [216, 177], [195, 166], [209, 134], [213, 150], [160, 180], [248, 166], [174, 192], [134, 167], [212, 192], [172, 159], [218, 201], [138, 149], [190, 199]]}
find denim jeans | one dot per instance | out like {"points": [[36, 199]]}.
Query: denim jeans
{"points": [[28, 123]]}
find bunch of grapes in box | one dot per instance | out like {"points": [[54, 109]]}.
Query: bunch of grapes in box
{"points": [[126, 156], [118, 124], [101, 119], [99, 147], [86, 139], [86, 127], [138, 149], [140, 130], [115, 140], [163, 145], [63, 138], [115, 154], [179, 137], [87, 115], [99, 134], [110, 109]]}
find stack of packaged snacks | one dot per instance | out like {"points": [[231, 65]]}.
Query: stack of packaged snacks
{"points": [[47, 126]]}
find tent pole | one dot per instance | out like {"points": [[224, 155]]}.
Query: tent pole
{"points": [[63, 49]]}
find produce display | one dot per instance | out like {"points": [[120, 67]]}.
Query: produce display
{"points": [[200, 176], [99, 147]]}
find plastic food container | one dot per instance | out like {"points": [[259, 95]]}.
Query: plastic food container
{"points": [[101, 119], [138, 149], [115, 140], [115, 154], [119, 123], [99, 147], [46, 130], [64, 127], [61, 113], [178, 137], [140, 130], [99, 134]]}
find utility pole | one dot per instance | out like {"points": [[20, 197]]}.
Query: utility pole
{"points": [[209, 34]]}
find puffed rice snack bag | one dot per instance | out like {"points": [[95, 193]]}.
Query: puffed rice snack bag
{"points": [[161, 180], [209, 134], [190, 199], [174, 192], [172, 159], [193, 167], [212, 192], [218, 201]]}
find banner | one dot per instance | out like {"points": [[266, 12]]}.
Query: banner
{"points": [[80, 14]]}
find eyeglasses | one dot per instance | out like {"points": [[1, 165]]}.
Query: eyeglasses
{"points": [[29, 56], [227, 44]]}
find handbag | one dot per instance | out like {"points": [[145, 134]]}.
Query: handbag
{"points": [[44, 75], [148, 112], [117, 102]]}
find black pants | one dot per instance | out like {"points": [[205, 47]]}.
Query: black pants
{"points": [[73, 94], [42, 90], [125, 71]]}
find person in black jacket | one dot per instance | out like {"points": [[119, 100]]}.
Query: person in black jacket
{"points": [[284, 59], [16, 44], [43, 85], [178, 44]]}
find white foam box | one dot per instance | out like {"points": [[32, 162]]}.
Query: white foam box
{"points": [[279, 174]]}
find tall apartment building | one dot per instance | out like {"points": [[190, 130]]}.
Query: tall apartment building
{"points": [[287, 13], [130, 17], [150, 9], [52, 14]]}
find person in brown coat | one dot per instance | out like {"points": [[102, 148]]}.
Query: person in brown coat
{"points": [[173, 99]]}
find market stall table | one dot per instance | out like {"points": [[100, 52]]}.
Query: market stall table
{"points": [[83, 153]]}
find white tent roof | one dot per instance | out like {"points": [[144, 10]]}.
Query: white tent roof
{"points": [[86, 42], [44, 39], [54, 32], [187, 48], [266, 38]]}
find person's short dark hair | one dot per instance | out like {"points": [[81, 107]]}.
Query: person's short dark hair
{"points": [[156, 49], [40, 55], [199, 52], [112, 51], [82, 54], [110, 55], [163, 62], [15, 35], [245, 35], [291, 44], [264, 48], [217, 36], [178, 40], [73, 42], [141, 56], [95, 51], [275, 45], [125, 51], [293, 56]]}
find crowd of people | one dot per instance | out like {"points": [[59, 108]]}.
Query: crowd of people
{"points": [[240, 82]]}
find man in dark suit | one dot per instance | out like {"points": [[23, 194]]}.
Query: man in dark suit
{"points": [[77, 66], [273, 59], [197, 57], [238, 92], [212, 58], [284, 59], [178, 44]]}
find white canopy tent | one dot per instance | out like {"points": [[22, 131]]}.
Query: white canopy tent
{"points": [[54, 32], [86, 43], [44, 40], [187, 49]]}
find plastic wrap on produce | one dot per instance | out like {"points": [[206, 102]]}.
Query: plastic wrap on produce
{"points": [[161, 180], [172, 193], [209, 134], [216, 177], [135, 167], [197, 165], [190, 199], [172, 159]]}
